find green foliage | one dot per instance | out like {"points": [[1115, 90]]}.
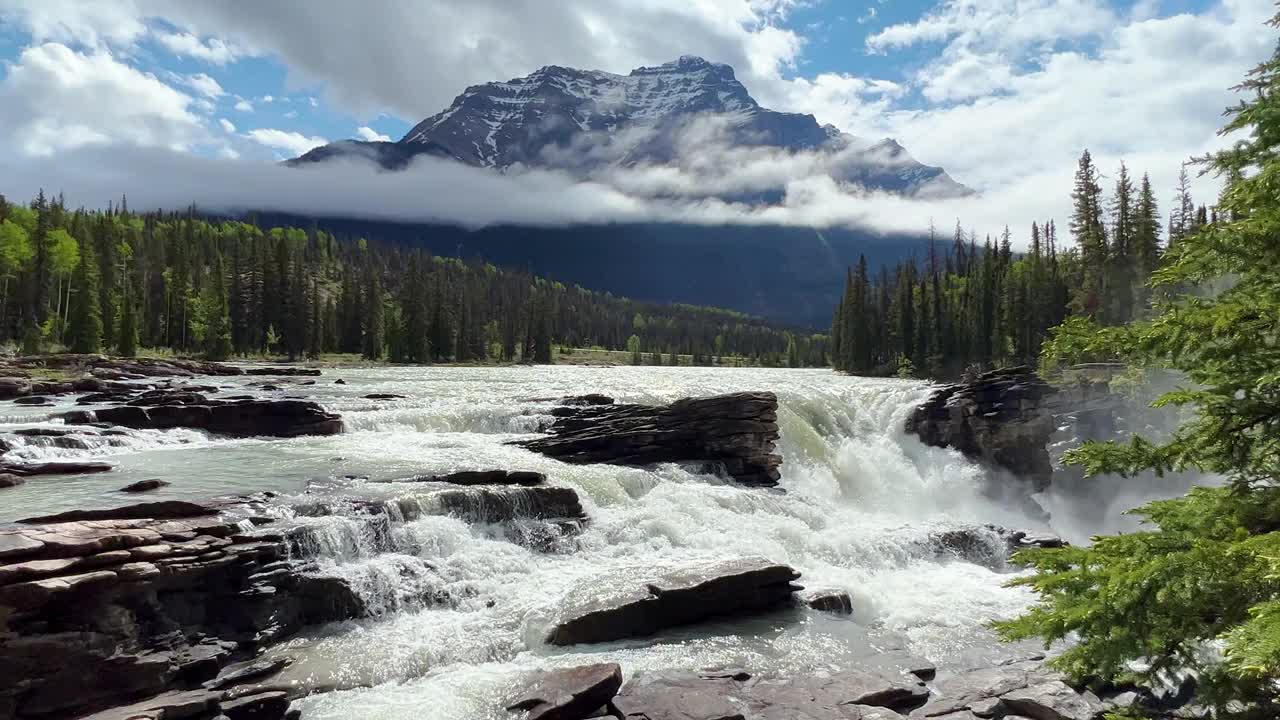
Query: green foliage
{"points": [[633, 347], [85, 312], [1206, 576], [15, 248]]}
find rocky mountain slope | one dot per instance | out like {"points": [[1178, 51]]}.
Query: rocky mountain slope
{"points": [[589, 122]]}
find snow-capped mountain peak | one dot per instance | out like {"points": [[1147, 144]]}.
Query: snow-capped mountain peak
{"points": [[586, 120]]}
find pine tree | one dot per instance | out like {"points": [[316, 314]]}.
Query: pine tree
{"points": [[374, 330], [86, 320], [1090, 237], [128, 340], [1146, 241], [1121, 262], [217, 333]]}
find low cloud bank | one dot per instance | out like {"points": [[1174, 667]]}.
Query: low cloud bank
{"points": [[434, 190]]}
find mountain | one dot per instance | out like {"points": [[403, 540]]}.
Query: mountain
{"points": [[589, 122]]}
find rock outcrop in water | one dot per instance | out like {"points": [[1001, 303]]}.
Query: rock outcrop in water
{"points": [[735, 432], [569, 693], [679, 597], [1001, 418], [97, 613], [239, 418]]}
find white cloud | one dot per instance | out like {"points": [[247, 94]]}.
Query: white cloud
{"points": [[55, 98], [244, 105], [369, 134], [212, 50], [227, 125], [291, 142], [204, 85], [291, 114], [94, 24], [266, 99], [867, 16]]}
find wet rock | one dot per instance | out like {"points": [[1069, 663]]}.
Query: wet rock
{"points": [[54, 468], [8, 480], [153, 398], [482, 477], [104, 612], [32, 400], [270, 705], [144, 486], [678, 597], [248, 673], [501, 505], [570, 693], [738, 433], [1001, 418], [339, 381], [588, 399], [43, 432], [384, 396], [242, 418], [163, 509], [834, 601]]}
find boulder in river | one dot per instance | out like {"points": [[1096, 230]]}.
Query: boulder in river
{"points": [[1001, 418], [144, 486], [829, 600], [737, 432], [240, 418], [677, 597], [569, 693], [8, 480], [163, 509]]}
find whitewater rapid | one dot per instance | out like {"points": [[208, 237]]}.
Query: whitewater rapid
{"points": [[860, 506]]}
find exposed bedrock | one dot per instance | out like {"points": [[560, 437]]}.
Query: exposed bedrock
{"points": [[678, 597], [1019, 689], [737, 432], [241, 418], [1001, 418], [97, 613]]}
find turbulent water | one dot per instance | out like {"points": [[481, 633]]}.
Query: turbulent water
{"points": [[861, 503]]}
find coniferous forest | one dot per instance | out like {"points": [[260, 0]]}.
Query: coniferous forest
{"points": [[972, 304], [117, 281]]}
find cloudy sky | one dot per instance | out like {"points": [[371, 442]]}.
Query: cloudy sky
{"points": [[179, 101]]}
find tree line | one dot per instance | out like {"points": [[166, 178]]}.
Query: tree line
{"points": [[116, 280], [969, 305]]}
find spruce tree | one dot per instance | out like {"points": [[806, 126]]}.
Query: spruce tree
{"points": [[374, 330], [86, 320], [217, 332], [1090, 237], [1197, 592]]}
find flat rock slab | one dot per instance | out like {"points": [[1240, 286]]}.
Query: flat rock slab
{"points": [[569, 694], [480, 477], [849, 695], [736, 432], [144, 486], [54, 468], [163, 509], [678, 597], [239, 418]]}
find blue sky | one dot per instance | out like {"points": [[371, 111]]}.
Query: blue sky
{"points": [[1004, 94]]}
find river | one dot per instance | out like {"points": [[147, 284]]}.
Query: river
{"points": [[861, 505]]}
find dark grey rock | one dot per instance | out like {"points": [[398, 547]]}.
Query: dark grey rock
{"points": [[677, 597], [240, 418], [8, 480], [162, 509], [144, 486], [737, 433], [1053, 700], [834, 601], [569, 694], [1001, 418], [54, 468], [481, 477]]}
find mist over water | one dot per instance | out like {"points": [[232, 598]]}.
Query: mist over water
{"points": [[460, 610]]}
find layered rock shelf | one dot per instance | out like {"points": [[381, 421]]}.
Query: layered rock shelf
{"points": [[145, 603], [239, 418], [734, 433], [1000, 418], [679, 597]]}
